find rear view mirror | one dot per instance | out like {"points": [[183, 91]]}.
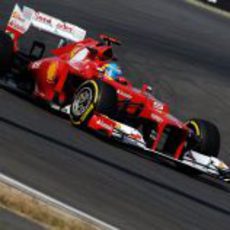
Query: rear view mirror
{"points": [[147, 88]]}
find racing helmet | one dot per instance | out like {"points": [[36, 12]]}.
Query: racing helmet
{"points": [[112, 71]]}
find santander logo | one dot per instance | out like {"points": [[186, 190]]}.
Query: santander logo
{"points": [[43, 19], [65, 27]]}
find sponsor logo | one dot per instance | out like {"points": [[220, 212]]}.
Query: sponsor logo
{"points": [[16, 15], [124, 94], [65, 27], [39, 17], [105, 125], [135, 136], [52, 72]]}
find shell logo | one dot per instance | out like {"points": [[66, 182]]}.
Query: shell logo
{"points": [[16, 15], [52, 72], [74, 51]]}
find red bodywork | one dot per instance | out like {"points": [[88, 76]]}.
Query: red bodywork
{"points": [[82, 61]]}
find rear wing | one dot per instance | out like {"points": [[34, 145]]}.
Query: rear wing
{"points": [[22, 19]]}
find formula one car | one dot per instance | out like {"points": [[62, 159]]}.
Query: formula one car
{"points": [[74, 81]]}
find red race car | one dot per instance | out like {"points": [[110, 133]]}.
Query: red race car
{"points": [[84, 80]]}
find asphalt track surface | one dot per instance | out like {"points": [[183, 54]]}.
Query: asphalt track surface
{"points": [[183, 52]]}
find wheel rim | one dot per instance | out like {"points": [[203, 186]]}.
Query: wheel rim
{"points": [[82, 101]]}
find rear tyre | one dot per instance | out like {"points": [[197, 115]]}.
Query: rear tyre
{"points": [[6, 53], [92, 96]]}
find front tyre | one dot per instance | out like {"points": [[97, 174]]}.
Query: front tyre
{"points": [[92, 96], [207, 135], [205, 140]]}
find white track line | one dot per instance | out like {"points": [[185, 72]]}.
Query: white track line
{"points": [[55, 203], [211, 8]]}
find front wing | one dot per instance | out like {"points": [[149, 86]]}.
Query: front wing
{"points": [[209, 165]]}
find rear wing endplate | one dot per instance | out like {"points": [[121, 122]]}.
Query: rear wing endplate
{"points": [[22, 19]]}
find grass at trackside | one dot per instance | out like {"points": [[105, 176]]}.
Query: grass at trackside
{"points": [[209, 7], [31, 208]]}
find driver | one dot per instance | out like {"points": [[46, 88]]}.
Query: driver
{"points": [[111, 71]]}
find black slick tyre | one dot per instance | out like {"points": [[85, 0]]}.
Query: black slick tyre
{"points": [[206, 141], [208, 137], [91, 96]]}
